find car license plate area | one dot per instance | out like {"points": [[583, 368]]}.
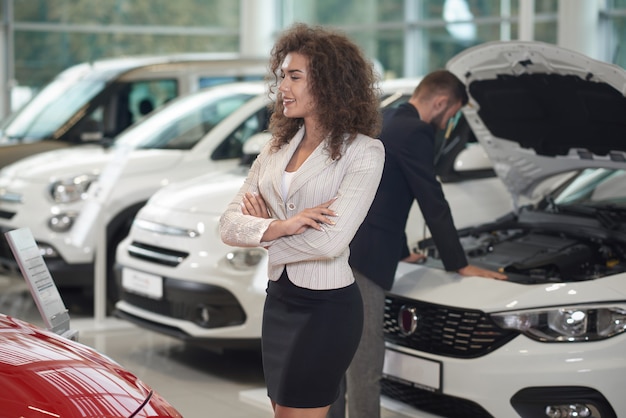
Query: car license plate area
{"points": [[149, 285], [413, 370]]}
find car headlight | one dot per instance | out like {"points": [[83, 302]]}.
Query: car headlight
{"points": [[566, 324], [71, 189], [165, 229], [10, 197], [245, 258]]}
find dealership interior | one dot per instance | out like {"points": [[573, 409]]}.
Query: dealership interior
{"points": [[177, 356]]}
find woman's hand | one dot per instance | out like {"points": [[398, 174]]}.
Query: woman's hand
{"points": [[253, 204], [314, 217]]}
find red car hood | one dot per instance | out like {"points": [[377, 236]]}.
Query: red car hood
{"points": [[45, 375]]}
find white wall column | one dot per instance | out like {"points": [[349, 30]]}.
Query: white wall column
{"points": [[526, 20], [259, 21], [415, 41], [578, 26], [6, 54], [367, 12]]}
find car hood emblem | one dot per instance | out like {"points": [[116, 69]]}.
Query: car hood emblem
{"points": [[408, 320]]}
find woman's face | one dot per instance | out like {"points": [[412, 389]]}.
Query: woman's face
{"points": [[294, 88]]}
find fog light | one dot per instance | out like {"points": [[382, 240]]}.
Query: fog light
{"points": [[203, 315], [61, 222], [561, 402], [47, 251], [568, 411], [245, 258]]}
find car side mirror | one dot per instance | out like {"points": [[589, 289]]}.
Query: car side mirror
{"points": [[473, 157], [253, 146], [256, 142]]}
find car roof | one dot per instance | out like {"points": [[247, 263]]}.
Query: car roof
{"points": [[113, 67]]}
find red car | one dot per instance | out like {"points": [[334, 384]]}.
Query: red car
{"points": [[45, 375]]}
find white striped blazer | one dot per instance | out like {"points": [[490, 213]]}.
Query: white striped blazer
{"points": [[314, 259]]}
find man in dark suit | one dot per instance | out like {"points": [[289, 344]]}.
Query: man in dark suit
{"points": [[409, 137]]}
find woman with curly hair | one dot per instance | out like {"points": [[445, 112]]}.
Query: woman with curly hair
{"points": [[303, 200]]}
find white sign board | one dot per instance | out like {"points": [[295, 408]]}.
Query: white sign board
{"points": [[39, 280]]}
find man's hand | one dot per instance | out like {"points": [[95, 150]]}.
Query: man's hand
{"points": [[471, 270], [414, 258]]}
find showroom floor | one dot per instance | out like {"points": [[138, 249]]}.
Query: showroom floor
{"points": [[197, 382]]}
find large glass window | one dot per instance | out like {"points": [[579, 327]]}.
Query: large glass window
{"points": [[614, 18], [413, 37], [407, 37], [217, 13], [618, 52], [52, 35]]}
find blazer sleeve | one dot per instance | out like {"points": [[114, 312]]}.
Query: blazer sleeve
{"points": [[354, 197], [415, 156], [241, 230]]}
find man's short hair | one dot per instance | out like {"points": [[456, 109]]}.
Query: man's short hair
{"points": [[441, 82]]}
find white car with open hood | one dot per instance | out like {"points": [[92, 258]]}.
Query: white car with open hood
{"points": [[550, 340]]}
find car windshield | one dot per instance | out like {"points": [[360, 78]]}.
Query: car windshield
{"points": [[50, 109], [595, 187], [183, 123]]}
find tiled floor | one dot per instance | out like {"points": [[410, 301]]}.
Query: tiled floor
{"points": [[199, 383]]}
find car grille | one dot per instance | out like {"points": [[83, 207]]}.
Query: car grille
{"points": [[436, 403], [157, 255], [443, 330], [173, 309], [183, 301]]}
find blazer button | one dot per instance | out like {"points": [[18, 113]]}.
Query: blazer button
{"points": [[291, 206]]}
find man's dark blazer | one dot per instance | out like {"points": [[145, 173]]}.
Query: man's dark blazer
{"points": [[408, 174]]}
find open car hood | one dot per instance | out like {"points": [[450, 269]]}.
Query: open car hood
{"points": [[540, 110]]}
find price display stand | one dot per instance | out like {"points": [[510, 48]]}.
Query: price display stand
{"points": [[42, 287]]}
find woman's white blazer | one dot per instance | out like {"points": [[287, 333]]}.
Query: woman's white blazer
{"points": [[314, 259]]}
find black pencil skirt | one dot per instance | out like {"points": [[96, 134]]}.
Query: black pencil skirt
{"points": [[308, 340]]}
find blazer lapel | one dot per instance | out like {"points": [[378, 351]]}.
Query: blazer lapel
{"points": [[314, 164], [280, 160]]}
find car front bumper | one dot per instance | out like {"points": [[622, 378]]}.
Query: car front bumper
{"points": [[507, 382], [203, 313]]}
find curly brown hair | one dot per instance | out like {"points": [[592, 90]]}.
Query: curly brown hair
{"points": [[341, 80]]}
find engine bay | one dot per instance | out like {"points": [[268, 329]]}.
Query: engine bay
{"points": [[537, 248]]}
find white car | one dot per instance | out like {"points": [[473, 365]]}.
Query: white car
{"points": [[94, 101], [178, 277], [189, 136], [550, 340]]}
